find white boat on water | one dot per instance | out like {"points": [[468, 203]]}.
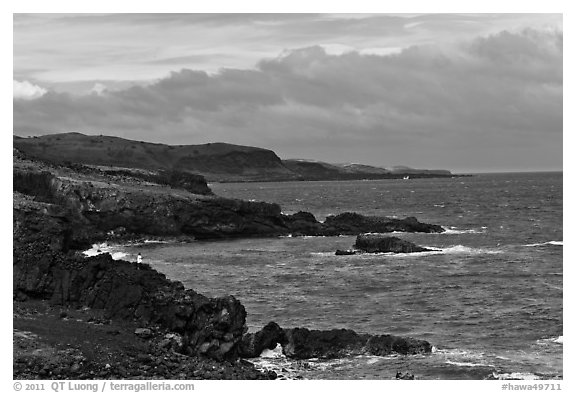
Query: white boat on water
{"points": [[406, 178]]}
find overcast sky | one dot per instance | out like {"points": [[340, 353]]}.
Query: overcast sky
{"points": [[460, 92]]}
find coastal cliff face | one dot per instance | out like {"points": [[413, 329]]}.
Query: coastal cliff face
{"points": [[43, 269], [99, 205], [109, 205]]}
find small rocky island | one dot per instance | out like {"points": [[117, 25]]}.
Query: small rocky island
{"points": [[378, 243], [97, 318]]}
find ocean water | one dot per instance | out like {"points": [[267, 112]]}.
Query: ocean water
{"points": [[489, 299]]}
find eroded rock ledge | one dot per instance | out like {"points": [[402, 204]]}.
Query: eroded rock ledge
{"points": [[99, 209], [302, 343]]}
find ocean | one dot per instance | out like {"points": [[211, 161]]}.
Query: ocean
{"points": [[489, 299]]}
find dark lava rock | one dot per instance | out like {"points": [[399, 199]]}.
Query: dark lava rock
{"points": [[354, 223], [143, 333], [327, 344], [386, 344], [345, 252], [323, 344], [303, 223], [253, 344], [380, 243], [124, 290], [407, 375]]}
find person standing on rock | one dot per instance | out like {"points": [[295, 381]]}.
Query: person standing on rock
{"points": [[139, 258]]}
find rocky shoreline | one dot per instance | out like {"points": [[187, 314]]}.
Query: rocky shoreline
{"points": [[59, 210]]}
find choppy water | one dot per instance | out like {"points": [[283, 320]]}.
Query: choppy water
{"points": [[489, 300]]}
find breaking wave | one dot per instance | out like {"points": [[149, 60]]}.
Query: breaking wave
{"points": [[522, 376], [456, 231], [550, 243], [457, 249]]}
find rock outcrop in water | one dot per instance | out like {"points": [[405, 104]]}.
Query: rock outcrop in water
{"points": [[302, 343], [253, 344], [354, 223], [380, 243]]}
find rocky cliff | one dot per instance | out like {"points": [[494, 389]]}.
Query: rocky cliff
{"points": [[43, 268], [100, 205]]}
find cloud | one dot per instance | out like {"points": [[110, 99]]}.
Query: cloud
{"points": [[495, 100], [79, 47], [27, 91], [98, 88]]}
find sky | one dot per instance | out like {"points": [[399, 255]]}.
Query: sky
{"points": [[464, 92]]}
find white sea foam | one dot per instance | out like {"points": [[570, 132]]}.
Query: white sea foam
{"points": [[97, 249], [456, 231], [555, 340], [468, 364], [458, 353], [460, 249], [119, 255], [104, 248], [148, 241], [550, 243], [457, 249], [324, 254], [523, 376], [273, 353]]}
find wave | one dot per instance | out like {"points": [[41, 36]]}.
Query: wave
{"points": [[149, 241], [327, 254], [453, 250], [522, 376], [456, 231], [468, 364], [460, 249], [556, 340], [550, 243], [273, 353], [462, 358], [104, 248]]}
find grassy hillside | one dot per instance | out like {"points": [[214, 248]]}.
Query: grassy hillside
{"points": [[216, 161]]}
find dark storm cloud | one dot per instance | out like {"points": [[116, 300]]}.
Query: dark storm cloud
{"points": [[476, 96]]}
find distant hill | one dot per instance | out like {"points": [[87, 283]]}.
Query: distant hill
{"points": [[404, 170], [215, 161], [317, 170]]}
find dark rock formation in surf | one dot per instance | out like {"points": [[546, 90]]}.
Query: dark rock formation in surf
{"points": [[346, 252], [354, 223], [253, 344], [302, 343], [381, 243]]}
